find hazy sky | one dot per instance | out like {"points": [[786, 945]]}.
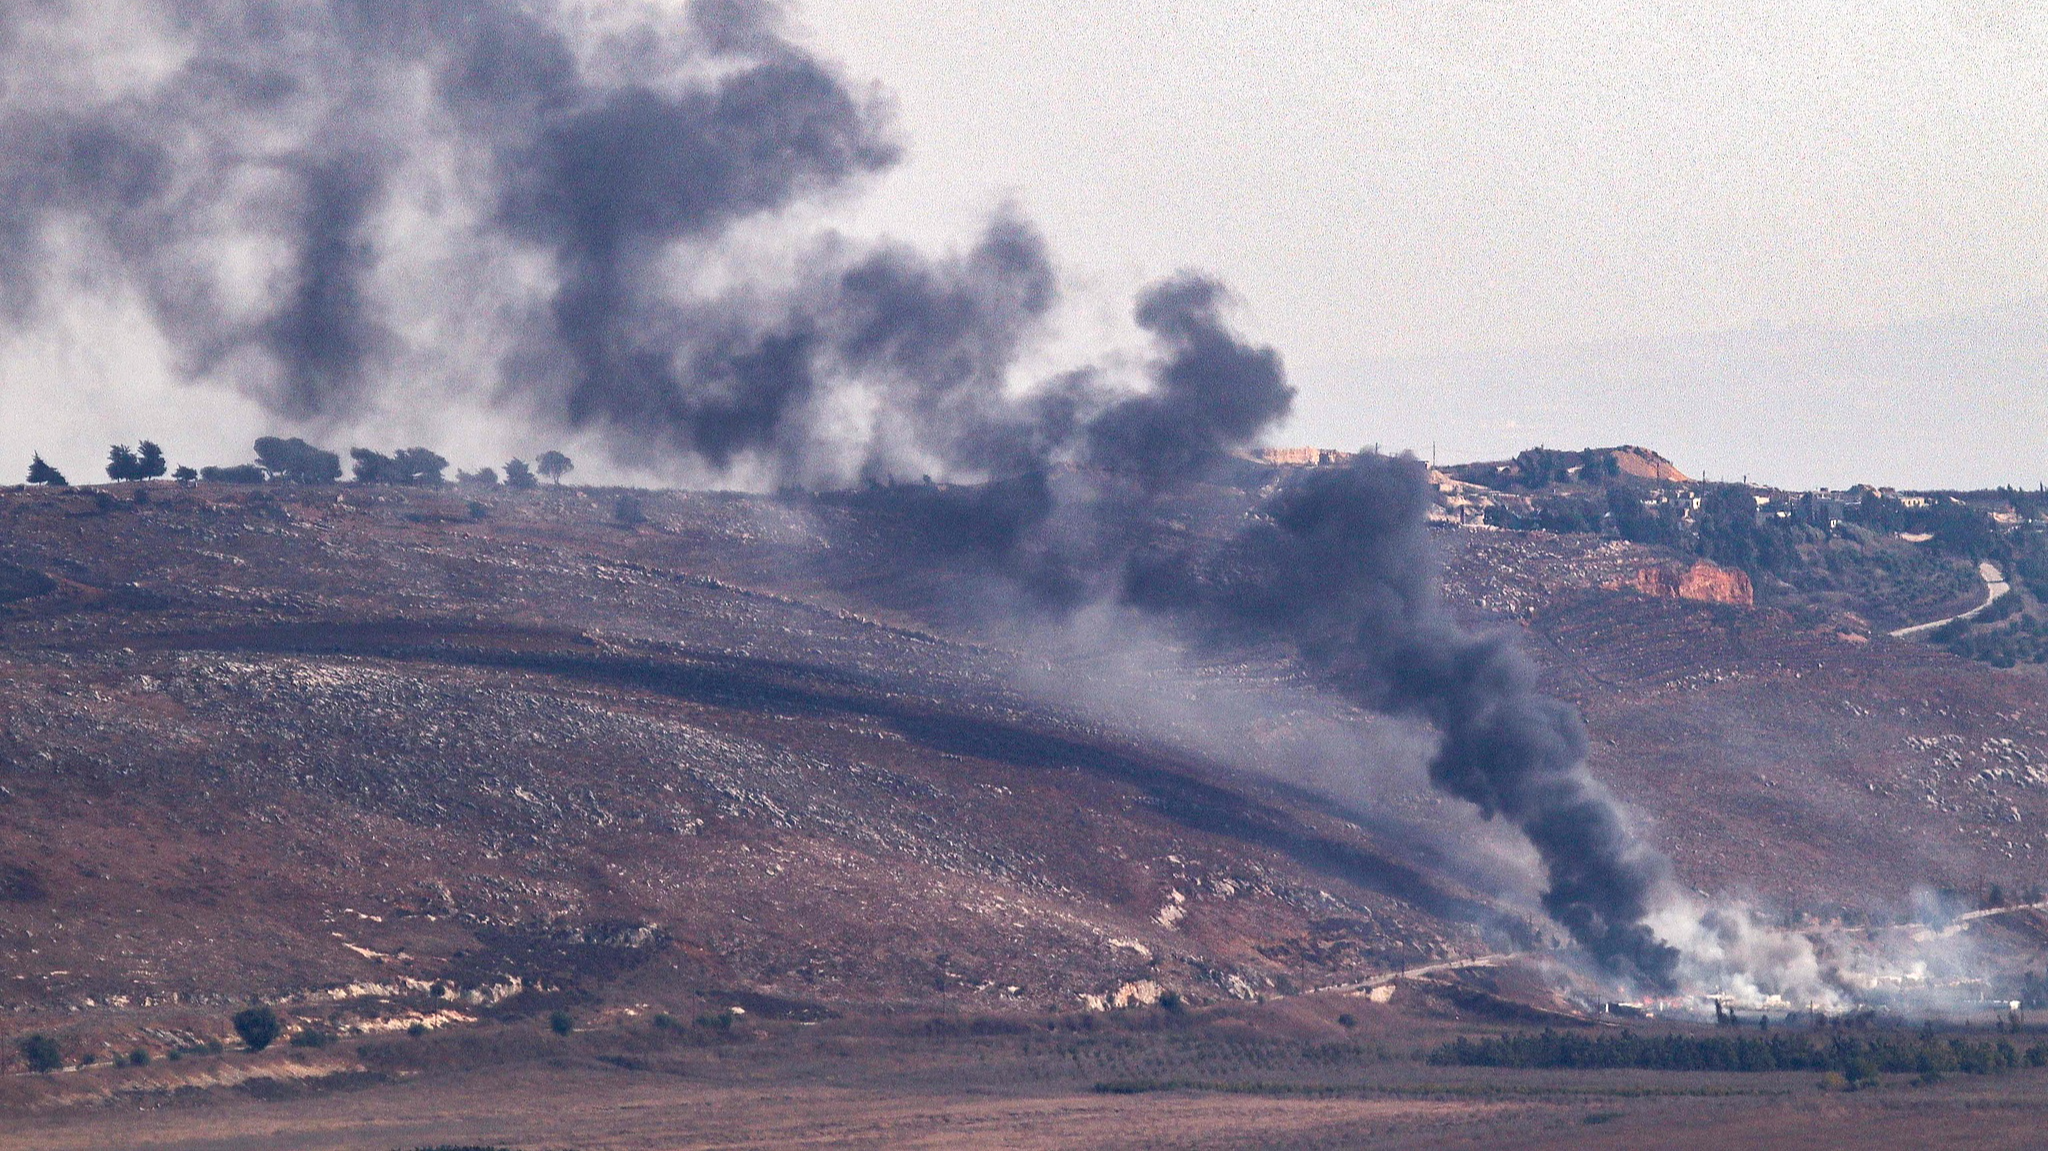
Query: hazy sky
{"points": [[1796, 241], [1800, 241]]}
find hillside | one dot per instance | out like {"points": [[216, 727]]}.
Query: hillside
{"points": [[301, 743], [383, 757], [1805, 766]]}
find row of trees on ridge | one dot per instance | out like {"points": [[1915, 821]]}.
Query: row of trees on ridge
{"points": [[294, 461]]}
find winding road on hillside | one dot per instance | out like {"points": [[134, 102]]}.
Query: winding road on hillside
{"points": [[1994, 586]]}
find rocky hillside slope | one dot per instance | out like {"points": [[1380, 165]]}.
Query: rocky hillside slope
{"points": [[399, 756], [322, 744]]}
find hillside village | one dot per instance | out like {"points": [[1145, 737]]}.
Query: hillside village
{"points": [[1851, 561]]}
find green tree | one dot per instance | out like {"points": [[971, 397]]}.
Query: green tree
{"points": [[257, 1027], [41, 473], [41, 1053], [419, 467], [149, 460], [122, 463], [297, 461], [554, 465], [518, 476]]}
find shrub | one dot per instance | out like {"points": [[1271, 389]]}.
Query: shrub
{"points": [[518, 476], [416, 1029], [481, 478], [257, 1027], [184, 474], [42, 1053], [238, 474], [139, 1057], [561, 1022], [664, 1020], [722, 1021], [627, 511], [311, 1038]]}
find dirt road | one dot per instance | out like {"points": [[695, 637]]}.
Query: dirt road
{"points": [[1995, 585]]}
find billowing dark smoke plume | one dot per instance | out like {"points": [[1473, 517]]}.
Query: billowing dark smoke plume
{"points": [[326, 204], [1340, 563], [318, 200], [1213, 395]]}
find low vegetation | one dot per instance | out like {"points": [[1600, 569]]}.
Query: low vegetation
{"points": [[1856, 1058], [41, 1054], [257, 1027]]}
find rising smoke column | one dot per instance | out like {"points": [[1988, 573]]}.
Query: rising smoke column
{"points": [[314, 199], [614, 178], [1340, 562]]}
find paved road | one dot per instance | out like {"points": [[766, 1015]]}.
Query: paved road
{"points": [[1994, 587]]}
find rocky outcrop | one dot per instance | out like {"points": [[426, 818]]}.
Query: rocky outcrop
{"points": [[1704, 580], [1647, 465], [1299, 457]]}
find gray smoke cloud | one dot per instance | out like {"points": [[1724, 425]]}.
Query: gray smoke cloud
{"points": [[328, 205]]}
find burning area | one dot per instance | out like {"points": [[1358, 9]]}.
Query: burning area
{"points": [[481, 215]]}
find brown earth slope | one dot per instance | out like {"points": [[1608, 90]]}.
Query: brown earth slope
{"points": [[361, 754], [1804, 767], [378, 757]]}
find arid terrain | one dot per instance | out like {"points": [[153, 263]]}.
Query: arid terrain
{"points": [[422, 768]]}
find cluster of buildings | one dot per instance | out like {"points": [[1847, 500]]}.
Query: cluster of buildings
{"points": [[1664, 492]]}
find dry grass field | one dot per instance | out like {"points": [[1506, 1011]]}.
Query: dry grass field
{"points": [[1276, 1076]]}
